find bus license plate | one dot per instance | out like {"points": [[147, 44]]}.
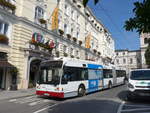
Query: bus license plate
{"points": [[46, 94]]}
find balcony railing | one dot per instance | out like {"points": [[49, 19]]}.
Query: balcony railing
{"points": [[8, 5]]}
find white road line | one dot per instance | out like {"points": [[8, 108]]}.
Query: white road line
{"points": [[38, 111], [28, 100], [120, 107], [34, 103], [29, 97], [138, 109], [39, 102], [12, 100]]}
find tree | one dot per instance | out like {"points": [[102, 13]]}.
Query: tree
{"points": [[86, 1], [141, 21], [147, 54]]}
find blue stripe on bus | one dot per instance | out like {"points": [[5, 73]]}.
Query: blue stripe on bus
{"points": [[94, 66], [92, 85]]}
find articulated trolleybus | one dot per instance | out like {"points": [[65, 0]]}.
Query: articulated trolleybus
{"points": [[69, 77]]}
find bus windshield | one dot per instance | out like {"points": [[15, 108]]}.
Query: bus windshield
{"points": [[140, 75], [50, 72], [50, 76]]}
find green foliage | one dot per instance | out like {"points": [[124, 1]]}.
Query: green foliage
{"points": [[65, 54], [141, 21], [147, 56], [86, 1], [7, 4], [3, 39], [72, 56], [14, 71], [45, 46]]}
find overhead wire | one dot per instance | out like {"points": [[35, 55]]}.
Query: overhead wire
{"points": [[114, 24]]}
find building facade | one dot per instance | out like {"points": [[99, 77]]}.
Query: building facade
{"points": [[144, 37], [39, 30], [128, 60]]}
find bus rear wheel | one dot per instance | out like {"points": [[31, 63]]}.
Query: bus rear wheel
{"points": [[81, 91]]}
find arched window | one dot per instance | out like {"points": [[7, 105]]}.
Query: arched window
{"points": [[124, 61], [39, 12], [117, 61], [3, 27], [131, 60]]}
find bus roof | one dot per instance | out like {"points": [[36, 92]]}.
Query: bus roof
{"points": [[78, 63], [140, 69]]}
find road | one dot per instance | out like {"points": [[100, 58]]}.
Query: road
{"points": [[106, 101]]}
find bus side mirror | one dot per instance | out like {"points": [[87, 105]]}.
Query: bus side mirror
{"points": [[64, 81]]}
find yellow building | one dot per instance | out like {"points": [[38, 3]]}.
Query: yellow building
{"points": [[44, 29]]}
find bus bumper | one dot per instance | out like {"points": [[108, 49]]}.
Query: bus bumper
{"points": [[50, 94]]}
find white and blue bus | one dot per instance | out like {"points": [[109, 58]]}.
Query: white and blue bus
{"points": [[69, 77]]}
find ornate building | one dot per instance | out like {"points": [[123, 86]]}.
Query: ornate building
{"points": [[143, 45], [128, 60], [44, 29]]}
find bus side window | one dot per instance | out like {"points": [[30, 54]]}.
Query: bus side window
{"points": [[110, 76], [85, 74]]}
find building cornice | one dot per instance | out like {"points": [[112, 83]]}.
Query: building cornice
{"points": [[28, 22], [5, 12]]}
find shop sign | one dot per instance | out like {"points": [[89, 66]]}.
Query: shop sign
{"points": [[38, 40]]}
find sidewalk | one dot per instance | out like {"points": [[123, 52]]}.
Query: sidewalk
{"points": [[16, 94]]}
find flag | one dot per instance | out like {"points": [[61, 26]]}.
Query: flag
{"points": [[55, 18], [88, 41], [52, 45]]}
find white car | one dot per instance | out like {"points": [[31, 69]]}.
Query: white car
{"points": [[139, 84]]}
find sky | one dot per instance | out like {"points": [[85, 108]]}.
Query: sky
{"points": [[113, 14]]}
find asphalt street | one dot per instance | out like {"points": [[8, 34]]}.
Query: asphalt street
{"points": [[106, 101]]}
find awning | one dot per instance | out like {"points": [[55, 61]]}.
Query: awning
{"points": [[6, 64]]}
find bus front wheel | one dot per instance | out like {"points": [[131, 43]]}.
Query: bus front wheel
{"points": [[81, 91]]}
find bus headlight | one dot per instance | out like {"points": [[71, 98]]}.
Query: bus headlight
{"points": [[130, 85], [59, 89]]}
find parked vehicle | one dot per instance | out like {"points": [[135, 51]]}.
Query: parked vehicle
{"points": [[139, 84]]}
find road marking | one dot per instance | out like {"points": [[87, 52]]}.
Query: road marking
{"points": [[29, 100], [138, 109], [49, 107], [34, 103], [12, 100], [120, 107]]}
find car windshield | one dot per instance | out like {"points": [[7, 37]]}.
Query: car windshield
{"points": [[140, 75], [50, 75]]}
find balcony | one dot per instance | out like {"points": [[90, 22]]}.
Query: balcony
{"points": [[8, 5]]}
